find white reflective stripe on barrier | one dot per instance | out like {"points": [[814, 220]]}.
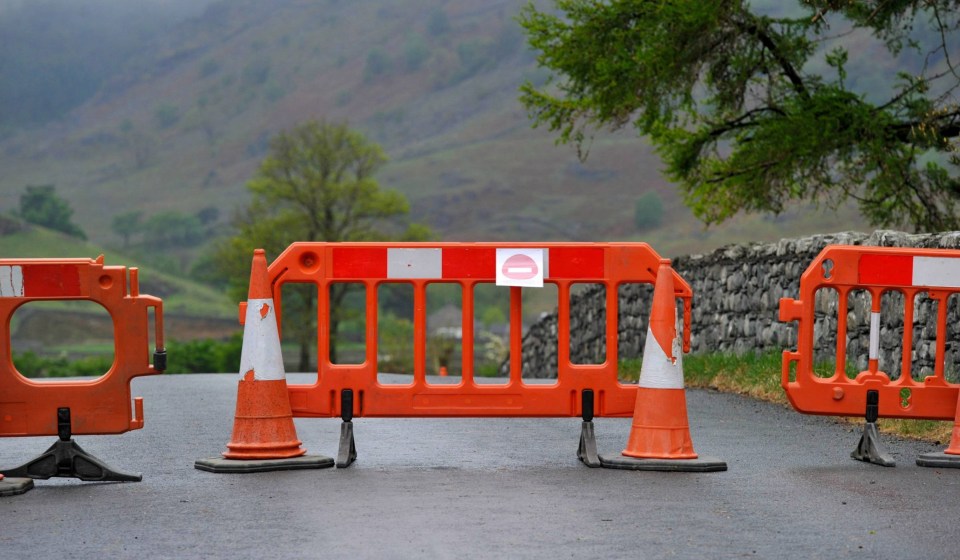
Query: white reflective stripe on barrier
{"points": [[414, 263], [261, 342], [936, 272], [874, 335], [657, 371], [11, 281]]}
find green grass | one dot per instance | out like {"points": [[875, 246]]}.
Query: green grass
{"points": [[758, 376]]}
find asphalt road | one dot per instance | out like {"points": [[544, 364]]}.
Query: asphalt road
{"points": [[482, 488]]}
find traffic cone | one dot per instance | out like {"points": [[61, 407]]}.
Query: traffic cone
{"points": [[443, 371], [950, 457], [660, 436], [264, 437]]}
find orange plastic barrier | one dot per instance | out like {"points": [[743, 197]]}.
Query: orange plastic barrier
{"points": [[872, 392], [580, 390], [98, 406]]}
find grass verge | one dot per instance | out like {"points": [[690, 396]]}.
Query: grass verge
{"points": [[758, 376]]}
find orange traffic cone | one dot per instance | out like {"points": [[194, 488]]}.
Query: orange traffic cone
{"points": [[660, 435], [443, 371], [950, 457], [264, 437]]}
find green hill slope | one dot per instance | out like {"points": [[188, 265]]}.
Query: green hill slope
{"points": [[184, 126]]}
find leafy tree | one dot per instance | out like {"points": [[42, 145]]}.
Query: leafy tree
{"points": [[378, 64], [752, 106], [126, 225], [648, 211], [40, 205], [171, 228], [316, 184]]}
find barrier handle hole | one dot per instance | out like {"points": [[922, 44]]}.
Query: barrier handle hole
{"points": [[905, 395], [827, 269]]}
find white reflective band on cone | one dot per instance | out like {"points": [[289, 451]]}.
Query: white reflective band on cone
{"points": [[657, 371], [874, 335], [261, 342]]}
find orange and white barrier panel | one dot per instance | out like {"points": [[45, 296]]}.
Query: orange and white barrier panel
{"points": [[78, 407], [468, 264], [872, 392]]}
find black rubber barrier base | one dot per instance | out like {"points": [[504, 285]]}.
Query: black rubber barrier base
{"points": [[221, 465], [942, 460], [869, 449], [14, 486], [66, 459], [700, 464]]}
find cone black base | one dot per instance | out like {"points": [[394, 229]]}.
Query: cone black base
{"points": [[941, 460], [701, 464], [221, 465], [14, 486]]}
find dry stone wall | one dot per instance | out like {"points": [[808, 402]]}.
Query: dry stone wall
{"points": [[737, 290]]}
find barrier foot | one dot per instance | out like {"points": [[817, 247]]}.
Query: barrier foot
{"points": [[66, 459], [348, 448], [869, 450], [587, 451], [347, 453], [940, 460], [14, 486]]}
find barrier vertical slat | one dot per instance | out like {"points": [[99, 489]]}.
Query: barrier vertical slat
{"points": [[563, 328], [467, 337], [372, 324], [938, 365], [613, 316], [906, 373], [840, 371], [873, 357], [516, 334], [420, 333]]}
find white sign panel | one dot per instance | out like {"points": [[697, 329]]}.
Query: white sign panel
{"points": [[520, 267]]}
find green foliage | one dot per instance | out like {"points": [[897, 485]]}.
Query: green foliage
{"points": [[378, 64], [316, 184], [415, 52], [40, 205], [205, 355], [255, 73], [166, 115], [171, 228], [648, 211], [209, 68], [732, 100], [395, 345], [126, 225], [33, 365], [438, 23]]}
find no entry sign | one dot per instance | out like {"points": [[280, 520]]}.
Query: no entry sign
{"points": [[520, 267]]}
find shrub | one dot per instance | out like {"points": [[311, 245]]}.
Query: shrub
{"points": [[648, 212]]}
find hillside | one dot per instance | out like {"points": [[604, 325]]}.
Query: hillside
{"points": [[183, 125]]}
